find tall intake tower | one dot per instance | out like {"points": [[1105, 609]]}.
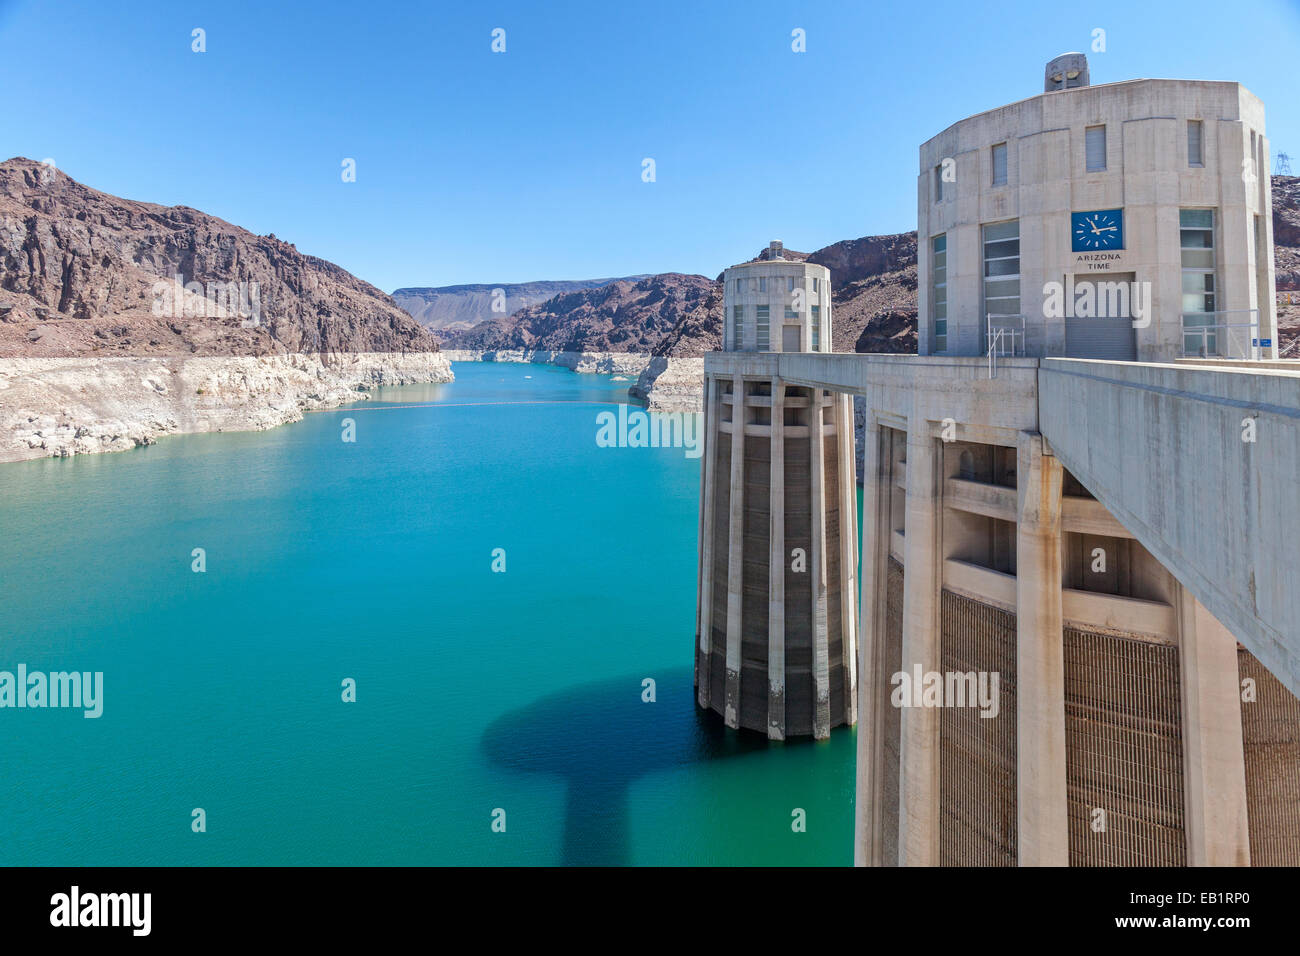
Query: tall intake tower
{"points": [[776, 630]]}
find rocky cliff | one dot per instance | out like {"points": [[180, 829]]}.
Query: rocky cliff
{"points": [[675, 315], [101, 349], [80, 273], [1286, 257], [623, 316], [70, 406], [874, 285]]}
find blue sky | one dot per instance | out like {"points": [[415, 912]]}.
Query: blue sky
{"points": [[482, 167]]}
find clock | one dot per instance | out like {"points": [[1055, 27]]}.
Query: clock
{"points": [[1101, 230]]}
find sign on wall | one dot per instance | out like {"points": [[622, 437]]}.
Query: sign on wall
{"points": [[1101, 230]]}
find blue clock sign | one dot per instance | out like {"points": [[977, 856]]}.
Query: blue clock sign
{"points": [[1101, 230]]}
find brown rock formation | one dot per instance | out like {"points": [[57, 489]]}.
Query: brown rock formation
{"points": [[79, 269]]}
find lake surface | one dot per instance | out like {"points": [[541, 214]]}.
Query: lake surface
{"points": [[476, 691]]}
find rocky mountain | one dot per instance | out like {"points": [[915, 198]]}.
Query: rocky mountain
{"points": [[623, 316], [874, 285], [84, 273], [454, 307], [1286, 256], [677, 316]]}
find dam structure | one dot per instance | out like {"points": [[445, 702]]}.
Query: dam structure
{"points": [[1087, 486], [776, 630]]}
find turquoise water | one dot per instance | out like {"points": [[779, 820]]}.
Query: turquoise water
{"points": [[476, 690]]}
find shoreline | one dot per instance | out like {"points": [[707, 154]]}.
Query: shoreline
{"points": [[60, 407], [664, 384]]}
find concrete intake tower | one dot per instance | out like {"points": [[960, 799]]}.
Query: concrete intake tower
{"points": [[776, 629]]}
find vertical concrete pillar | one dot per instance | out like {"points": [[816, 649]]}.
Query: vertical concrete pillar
{"points": [[735, 552], [776, 573], [877, 465], [820, 646], [1214, 762], [918, 802], [1042, 834], [848, 538], [704, 623]]}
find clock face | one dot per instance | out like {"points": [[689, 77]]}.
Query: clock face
{"points": [[1098, 231]]}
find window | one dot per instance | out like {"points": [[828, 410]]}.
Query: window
{"points": [[938, 184], [740, 285], [1195, 140], [817, 285], [762, 328], [762, 283], [790, 313], [816, 326], [789, 284], [1000, 164], [1095, 148], [1001, 272], [1196, 232], [737, 326], [939, 292]]}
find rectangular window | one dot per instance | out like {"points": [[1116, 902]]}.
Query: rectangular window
{"points": [[740, 285], [789, 284], [1000, 164], [939, 291], [1195, 141], [762, 283], [791, 313], [816, 327], [1196, 233], [938, 184], [737, 327], [817, 285], [1095, 148], [1002, 274], [763, 328]]}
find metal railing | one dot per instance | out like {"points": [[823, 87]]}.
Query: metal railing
{"points": [[1005, 336], [1207, 337]]}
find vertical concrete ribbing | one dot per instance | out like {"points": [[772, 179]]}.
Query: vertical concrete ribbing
{"points": [[877, 465], [1041, 818], [1214, 761], [735, 552], [776, 573], [820, 649], [707, 520], [918, 802], [848, 538]]}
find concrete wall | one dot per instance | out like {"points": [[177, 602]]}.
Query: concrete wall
{"points": [[768, 283], [1147, 175], [1167, 450]]}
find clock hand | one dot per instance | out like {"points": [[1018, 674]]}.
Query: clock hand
{"points": [[1105, 229]]}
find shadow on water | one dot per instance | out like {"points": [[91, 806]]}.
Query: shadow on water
{"points": [[600, 738]]}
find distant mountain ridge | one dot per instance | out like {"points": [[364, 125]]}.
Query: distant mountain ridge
{"points": [[453, 307]]}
